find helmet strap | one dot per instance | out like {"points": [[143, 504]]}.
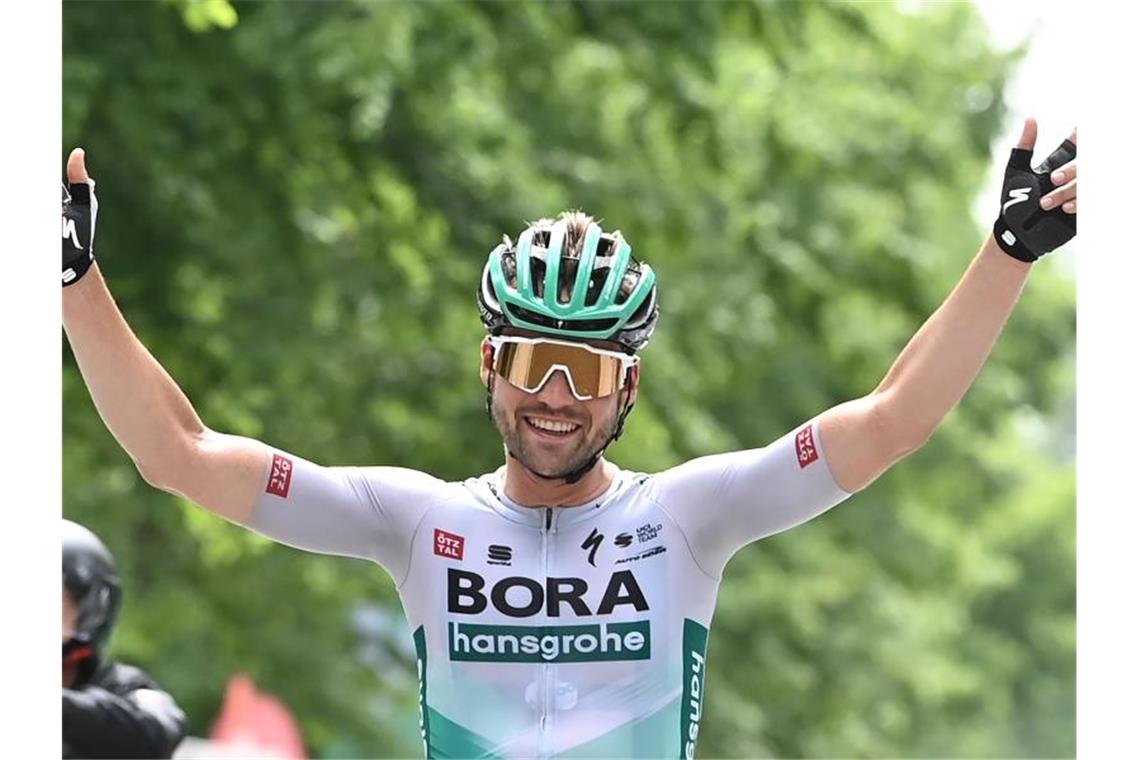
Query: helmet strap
{"points": [[487, 403], [80, 655]]}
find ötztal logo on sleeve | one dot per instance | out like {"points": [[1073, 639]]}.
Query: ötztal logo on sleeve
{"points": [[806, 452], [448, 544], [280, 474]]}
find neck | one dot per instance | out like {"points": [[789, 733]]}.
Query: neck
{"points": [[524, 487]]}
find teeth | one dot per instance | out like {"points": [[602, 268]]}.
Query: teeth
{"points": [[554, 426]]}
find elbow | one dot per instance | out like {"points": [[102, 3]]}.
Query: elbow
{"points": [[911, 441], [900, 431], [168, 468], [154, 475]]}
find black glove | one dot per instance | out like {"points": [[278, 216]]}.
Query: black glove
{"points": [[1023, 229], [79, 211]]}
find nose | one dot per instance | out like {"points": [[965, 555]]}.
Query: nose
{"points": [[556, 390]]}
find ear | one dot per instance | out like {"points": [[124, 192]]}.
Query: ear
{"points": [[487, 355], [634, 378]]}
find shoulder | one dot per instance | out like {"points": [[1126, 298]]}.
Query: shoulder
{"points": [[710, 471], [119, 678], [384, 482], [385, 473]]}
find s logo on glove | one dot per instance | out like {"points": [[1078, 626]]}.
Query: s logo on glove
{"points": [[79, 211], [1023, 229]]}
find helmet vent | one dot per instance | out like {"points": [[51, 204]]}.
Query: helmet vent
{"points": [[567, 275], [537, 276], [597, 282], [510, 268], [628, 282]]}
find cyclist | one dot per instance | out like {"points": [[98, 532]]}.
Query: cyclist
{"points": [[109, 709], [560, 605]]}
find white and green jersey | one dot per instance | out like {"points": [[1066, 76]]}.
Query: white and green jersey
{"points": [[572, 631]]}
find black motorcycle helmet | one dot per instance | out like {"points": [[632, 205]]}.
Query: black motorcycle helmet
{"points": [[89, 577]]}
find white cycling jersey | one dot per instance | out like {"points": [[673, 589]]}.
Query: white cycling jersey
{"points": [[569, 631]]}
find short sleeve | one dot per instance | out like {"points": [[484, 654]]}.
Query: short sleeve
{"points": [[365, 512], [726, 501]]}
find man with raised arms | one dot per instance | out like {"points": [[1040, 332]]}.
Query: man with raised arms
{"points": [[560, 605]]}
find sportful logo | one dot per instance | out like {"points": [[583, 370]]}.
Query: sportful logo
{"points": [[448, 544], [623, 540], [280, 475], [497, 554], [806, 451]]}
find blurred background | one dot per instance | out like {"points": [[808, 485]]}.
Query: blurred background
{"points": [[297, 200]]}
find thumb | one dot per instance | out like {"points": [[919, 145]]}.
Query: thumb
{"points": [[1028, 135], [76, 166]]}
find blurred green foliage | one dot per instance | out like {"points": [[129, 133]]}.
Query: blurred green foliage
{"points": [[297, 198]]}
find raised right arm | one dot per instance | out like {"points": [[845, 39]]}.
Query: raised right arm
{"points": [[140, 403], [148, 413], [370, 513]]}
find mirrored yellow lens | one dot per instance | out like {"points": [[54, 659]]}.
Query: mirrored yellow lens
{"points": [[528, 365]]}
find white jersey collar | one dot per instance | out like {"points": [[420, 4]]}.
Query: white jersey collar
{"points": [[489, 487]]}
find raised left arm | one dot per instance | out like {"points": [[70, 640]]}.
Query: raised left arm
{"points": [[865, 436]]}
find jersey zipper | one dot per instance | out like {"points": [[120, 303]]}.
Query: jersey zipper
{"points": [[546, 670]]}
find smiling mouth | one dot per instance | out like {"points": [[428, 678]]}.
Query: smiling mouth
{"points": [[552, 427]]}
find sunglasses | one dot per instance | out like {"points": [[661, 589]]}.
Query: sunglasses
{"points": [[527, 363]]}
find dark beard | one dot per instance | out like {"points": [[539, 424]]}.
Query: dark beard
{"points": [[513, 439]]}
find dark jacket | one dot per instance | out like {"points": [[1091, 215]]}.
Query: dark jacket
{"points": [[120, 712]]}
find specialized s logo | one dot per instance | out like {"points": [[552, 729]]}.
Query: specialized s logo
{"points": [[1016, 195], [806, 452], [280, 475], [69, 231], [448, 544], [591, 544]]}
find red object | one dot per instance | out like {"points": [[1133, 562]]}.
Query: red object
{"points": [[279, 476], [805, 447], [448, 544], [253, 719]]}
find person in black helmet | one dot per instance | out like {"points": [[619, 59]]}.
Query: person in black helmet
{"points": [[109, 709]]}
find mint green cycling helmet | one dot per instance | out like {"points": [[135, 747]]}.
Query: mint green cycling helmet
{"points": [[591, 286]]}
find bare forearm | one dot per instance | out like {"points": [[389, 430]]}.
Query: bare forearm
{"points": [[865, 436], [140, 403], [940, 362]]}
